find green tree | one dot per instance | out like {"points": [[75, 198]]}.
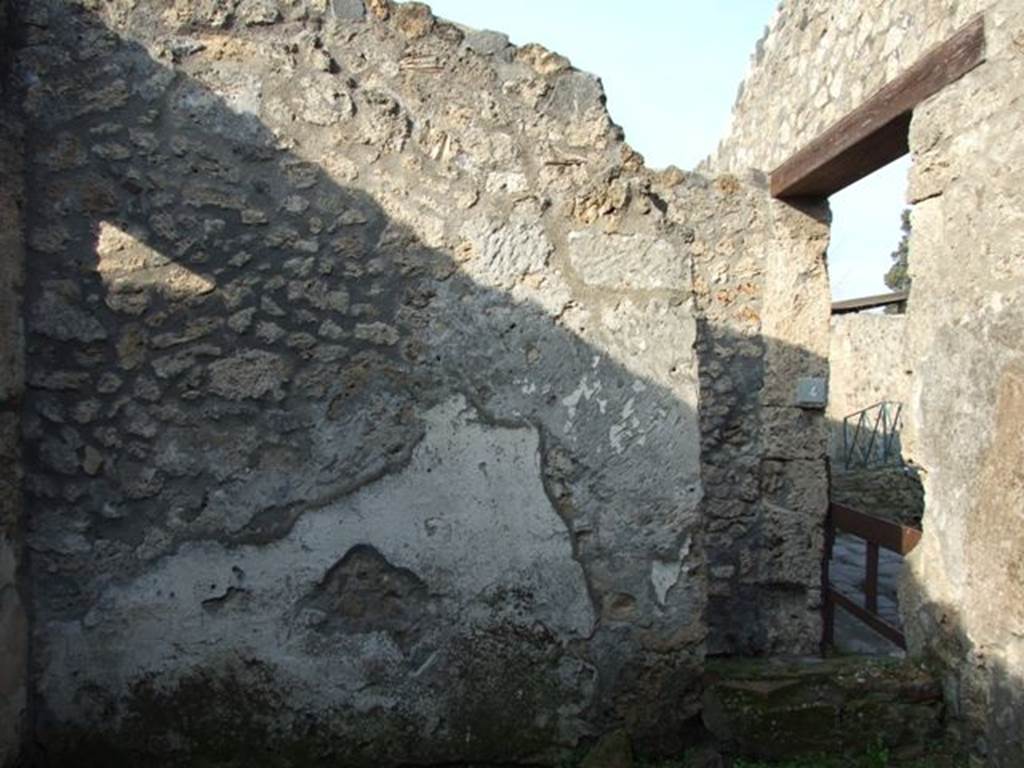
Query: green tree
{"points": [[897, 278]]}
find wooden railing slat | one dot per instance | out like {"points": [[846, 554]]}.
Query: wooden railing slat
{"points": [[897, 538], [877, 532], [871, 581], [873, 620]]}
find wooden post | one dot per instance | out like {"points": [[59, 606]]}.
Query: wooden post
{"points": [[828, 606], [871, 582]]}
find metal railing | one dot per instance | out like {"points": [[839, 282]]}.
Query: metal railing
{"points": [[871, 437], [877, 533]]}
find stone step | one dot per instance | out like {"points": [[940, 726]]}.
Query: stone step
{"points": [[772, 709]]}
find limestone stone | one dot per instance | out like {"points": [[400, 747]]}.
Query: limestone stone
{"points": [[56, 314], [252, 374], [269, 332], [108, 383], [348, 9], [171, 366], [253, 12], [376, 333], [128, 266], [414, 19], [325, 101], [92, 461], [486, 42], [241, 320], [58, 380], [639, 262], [541, 60], [131, 347], [502, 254], [379, 8]]}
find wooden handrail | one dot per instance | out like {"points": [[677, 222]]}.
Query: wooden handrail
{"points": [[897, 538], [877, 532]]}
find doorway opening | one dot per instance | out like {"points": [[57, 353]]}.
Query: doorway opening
{"points": [[860, 608]]}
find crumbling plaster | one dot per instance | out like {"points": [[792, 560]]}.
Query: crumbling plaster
{"points": [[374, 384]]}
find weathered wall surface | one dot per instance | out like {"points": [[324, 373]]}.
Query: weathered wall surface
{"points": [[893, 492], [965, 334], [362, 411], [819, 61], [867, 362], [13, 621], [764, 324]]}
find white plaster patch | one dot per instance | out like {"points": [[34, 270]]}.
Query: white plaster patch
{"points": [[584, 391], [630, 425], [665, 574], [468, 515]]}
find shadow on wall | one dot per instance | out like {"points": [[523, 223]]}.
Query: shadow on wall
{"points": [[283, 492], [983, 678], [299, 486], [982, 687], [892, 490]]}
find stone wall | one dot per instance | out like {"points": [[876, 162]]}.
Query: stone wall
{"points": [[820, 60], [13, 622], [371, 383], [891, 492], [867, 362], [764, 324], [788, 709], [966, 591]]}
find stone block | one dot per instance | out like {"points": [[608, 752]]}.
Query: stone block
{"points": [[628, 261]]}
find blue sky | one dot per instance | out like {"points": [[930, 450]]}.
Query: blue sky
{"points": [[671, 69]]}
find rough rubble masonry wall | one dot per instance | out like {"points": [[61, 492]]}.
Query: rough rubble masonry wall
{"points": [[362, 411], [965, 590], [13, 621], [818, 61], [763, 326]]}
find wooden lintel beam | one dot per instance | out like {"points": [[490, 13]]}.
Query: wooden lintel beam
{"points": [[875, 133], [869, 302]]}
